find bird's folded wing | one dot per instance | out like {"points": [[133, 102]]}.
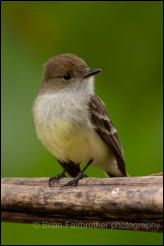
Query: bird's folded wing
{"points": [[103, 126]]}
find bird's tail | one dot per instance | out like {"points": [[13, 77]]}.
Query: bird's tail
{"points": [[110, 175]]}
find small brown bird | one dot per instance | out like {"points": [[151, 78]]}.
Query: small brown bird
{"points": [[71, 120]]}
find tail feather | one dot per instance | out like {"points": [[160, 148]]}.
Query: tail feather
{"points": [[110, 175]]}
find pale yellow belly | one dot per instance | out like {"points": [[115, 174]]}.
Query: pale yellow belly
{"points": [[72, 142]]}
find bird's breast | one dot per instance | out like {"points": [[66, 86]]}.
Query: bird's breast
{"points": [[64, 128], [69, 140]]}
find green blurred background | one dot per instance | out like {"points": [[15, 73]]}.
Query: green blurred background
{"points": [[122, 38]]}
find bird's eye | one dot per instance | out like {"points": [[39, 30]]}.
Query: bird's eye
{"points": [[67, 76]]}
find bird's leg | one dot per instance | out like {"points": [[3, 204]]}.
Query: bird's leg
{"points": [[57, 177], [79, 176]]}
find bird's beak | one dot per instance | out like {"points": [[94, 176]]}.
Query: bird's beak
{"points": [[91, 72]]}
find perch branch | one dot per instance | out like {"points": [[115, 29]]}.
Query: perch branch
{"points": [[132, 203]]}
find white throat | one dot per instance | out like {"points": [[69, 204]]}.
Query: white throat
{"points": [[85, 87], [70, 102]]}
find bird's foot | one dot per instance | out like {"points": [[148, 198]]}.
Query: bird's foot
{"points": [[56, 178], [79, 176], [75, 181]]}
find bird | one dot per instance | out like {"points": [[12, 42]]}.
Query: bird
{"points": [[72, 123]]}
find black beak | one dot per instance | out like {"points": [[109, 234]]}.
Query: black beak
{"points": [[91, 72]]}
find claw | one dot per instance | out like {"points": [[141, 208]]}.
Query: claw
{"points": [[56, 178], [75, 181]]}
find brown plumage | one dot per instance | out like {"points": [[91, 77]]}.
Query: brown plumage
{"points": [[105, 129]]}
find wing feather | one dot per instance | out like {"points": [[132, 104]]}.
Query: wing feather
{"points": [[105, 129]]}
